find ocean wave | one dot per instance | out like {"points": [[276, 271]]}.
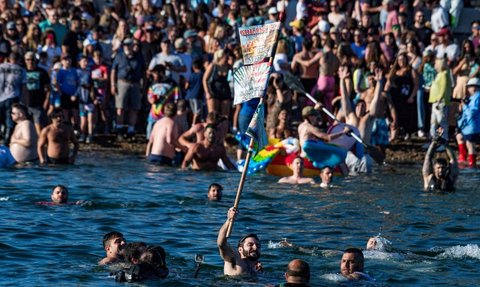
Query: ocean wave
{"points": [[6, 198]]}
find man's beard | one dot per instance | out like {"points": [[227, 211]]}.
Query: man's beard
{"points": [[250, 257]]}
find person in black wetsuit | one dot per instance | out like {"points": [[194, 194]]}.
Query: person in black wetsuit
{"points": [[440, 175]]}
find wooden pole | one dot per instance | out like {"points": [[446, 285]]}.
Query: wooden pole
{"points": [[251, 143]]}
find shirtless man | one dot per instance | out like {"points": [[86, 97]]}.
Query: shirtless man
{"points": [[328, 64], [113, 243], [23, 144], [163, 139], [243, 260], [351, 265], [197, 130], [308, 130], [308, 75], [439, 175], [297, 177], [361, 118], [57, 136], [205, 154], [297, 275]]}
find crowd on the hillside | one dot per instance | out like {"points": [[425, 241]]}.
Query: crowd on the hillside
{"points": [[391, 68]]}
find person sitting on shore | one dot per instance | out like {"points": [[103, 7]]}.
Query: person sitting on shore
{"points": [[297, 275], [164, 138], [23, 143], [440, 175], [113, 243], [204, 155], [243, 260], [215, 192], [297, 177], [352, 264], [57, 136], [326, 176]]}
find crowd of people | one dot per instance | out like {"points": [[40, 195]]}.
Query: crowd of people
{"points": [[71, 70], [392, 69]]}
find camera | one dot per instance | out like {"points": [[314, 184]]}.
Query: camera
{"points": [[199, 258]]}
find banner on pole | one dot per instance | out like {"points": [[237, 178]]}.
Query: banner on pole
{"points": [[249, 82], [257, 42], [256, 128]]}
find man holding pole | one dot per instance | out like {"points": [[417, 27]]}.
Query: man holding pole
{"points": [[243, 260]]}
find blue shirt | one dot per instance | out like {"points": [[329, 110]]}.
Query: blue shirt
{"points": [[195, 87], [359, 50], [469, 122], [129, 69], [68, 81]]}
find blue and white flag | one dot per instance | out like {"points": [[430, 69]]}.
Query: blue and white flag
{"points": [[256, 128]]}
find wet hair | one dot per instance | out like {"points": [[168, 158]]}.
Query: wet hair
{"points": [[242, 240], [299, 268], [133, 251], [154, 255], [170, 110], [109, 236], [355, 251], [441, 161], [64, 188], [215, 185], [324, 168]]}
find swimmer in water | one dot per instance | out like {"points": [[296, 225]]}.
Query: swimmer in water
{"points": [[352, 264], [326, 176], [113, 243], [215, 192], [379, 243], [244, 259], [298, 274], [297, 177], [59, 194], [440, 175]]}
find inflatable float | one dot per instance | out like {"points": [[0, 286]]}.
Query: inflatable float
{"points": [[278, 155]]}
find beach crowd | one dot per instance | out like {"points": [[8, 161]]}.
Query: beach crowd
{"points": [[390, 70]]}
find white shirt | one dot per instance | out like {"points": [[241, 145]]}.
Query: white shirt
{"points": [[439, 19]]}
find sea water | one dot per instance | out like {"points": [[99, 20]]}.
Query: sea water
{"points": [[435, 237]]}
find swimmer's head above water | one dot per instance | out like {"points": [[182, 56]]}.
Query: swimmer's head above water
{"points": [[379, 243], [215, 192], [249, 247], [59, 194]]}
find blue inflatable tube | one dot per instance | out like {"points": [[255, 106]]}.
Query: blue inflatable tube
{"points": [[323, 154]]}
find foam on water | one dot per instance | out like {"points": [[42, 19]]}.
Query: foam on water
{"points": [[6, 198], [334, 277], [458, 251]]}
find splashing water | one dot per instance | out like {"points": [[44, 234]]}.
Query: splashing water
{"points": [[467, 251]]}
